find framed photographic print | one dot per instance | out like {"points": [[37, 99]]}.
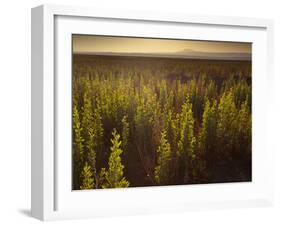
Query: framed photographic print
{"points": [[137, 112]]}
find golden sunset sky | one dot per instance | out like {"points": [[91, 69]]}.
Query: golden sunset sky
{"points": [[92, 44]]}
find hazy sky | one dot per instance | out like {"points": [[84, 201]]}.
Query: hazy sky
{"points": [[89, 44]]}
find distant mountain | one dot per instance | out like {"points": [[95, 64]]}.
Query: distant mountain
{"points": [[216, 55], [186, 54]]}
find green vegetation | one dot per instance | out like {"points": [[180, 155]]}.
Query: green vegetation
{"points": [[151, 121], [87, 177], [162, 169], [113, 177]]}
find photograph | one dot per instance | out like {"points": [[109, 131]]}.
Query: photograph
{"points": [[160, 112]]}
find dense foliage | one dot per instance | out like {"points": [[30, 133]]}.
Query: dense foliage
{"points": [[152, 121]]}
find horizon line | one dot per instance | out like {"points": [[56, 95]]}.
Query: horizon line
{"points": [[191, 55]]}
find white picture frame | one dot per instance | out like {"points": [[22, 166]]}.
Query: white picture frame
{"points": [[52, 197]]}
